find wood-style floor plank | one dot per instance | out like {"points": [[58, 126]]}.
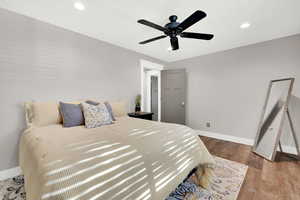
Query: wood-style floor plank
{"points": [[265, 180]]}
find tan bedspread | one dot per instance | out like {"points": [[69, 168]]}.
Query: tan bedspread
{"points": [[130, 159]]}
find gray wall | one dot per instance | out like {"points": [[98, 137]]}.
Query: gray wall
{"points": [[42, 62], [228, 88]]}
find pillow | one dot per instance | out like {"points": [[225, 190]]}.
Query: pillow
{"points": [[28, 113], [108, 106], [42, 113], [118, 108], [71, 114], [95, 116], [94, 103]]}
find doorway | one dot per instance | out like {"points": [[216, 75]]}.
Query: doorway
{"points": [[151, 88], [163, 92]]}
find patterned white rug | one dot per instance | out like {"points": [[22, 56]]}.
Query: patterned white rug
{"points": [[226, 185], [228, 180]]}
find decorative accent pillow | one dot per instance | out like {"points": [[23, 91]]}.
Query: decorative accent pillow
{"points": [[71, 114], [108, 106], [95, 116]]}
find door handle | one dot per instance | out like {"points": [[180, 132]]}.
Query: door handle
{"points": [[183, 104]]}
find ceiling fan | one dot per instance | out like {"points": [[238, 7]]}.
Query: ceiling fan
{"points": [[174, 28]]}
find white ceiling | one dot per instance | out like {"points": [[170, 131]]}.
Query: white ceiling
{"points": [[115, 22]]}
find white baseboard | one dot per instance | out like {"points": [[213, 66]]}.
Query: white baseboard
{"points": [[226, 137], [246, 141], [9, 173]]}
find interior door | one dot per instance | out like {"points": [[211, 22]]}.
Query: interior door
{"points": [[173, 96]]}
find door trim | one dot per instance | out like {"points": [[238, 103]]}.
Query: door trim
{"points": [[149, 74], [156, 68]]}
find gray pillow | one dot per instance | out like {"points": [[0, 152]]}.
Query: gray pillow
{"points": [[108, 106], [72, 114], [94, 103]]}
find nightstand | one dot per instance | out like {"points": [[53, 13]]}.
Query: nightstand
{"points": [[141, 115]]}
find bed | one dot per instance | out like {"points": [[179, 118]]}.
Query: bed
{"points": [[129, 159]]}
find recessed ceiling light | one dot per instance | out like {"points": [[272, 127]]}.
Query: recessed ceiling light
{"points": [[245, 25], [169, 49], [79, 5]]}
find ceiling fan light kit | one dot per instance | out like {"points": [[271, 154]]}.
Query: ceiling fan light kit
{"points": [[174, 29]]}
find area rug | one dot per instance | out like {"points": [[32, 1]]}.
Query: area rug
{"points": [[227, 181]]}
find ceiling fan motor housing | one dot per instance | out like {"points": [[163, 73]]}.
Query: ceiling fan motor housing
{"points": [[172, 26]]}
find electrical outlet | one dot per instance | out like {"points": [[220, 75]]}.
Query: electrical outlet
{"points": [[208, 124]]}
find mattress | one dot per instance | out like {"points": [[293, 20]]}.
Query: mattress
{"points": [[129, 159]]}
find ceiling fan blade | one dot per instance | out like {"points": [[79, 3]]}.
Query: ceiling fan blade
{"points": [[201, 36], [194, 18], [174, 43], [153, 39], [152, 25]]}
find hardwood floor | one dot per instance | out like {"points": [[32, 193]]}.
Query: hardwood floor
{"points": [[265, 180]]}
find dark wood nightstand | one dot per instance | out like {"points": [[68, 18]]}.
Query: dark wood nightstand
{"points": [[141, 115]]}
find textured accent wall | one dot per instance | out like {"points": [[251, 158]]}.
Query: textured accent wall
{"points": [[42, 62], [228, 88]]}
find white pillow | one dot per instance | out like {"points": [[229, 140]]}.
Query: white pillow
{"points": [[95, 115], [42, 113], [119, 108]]}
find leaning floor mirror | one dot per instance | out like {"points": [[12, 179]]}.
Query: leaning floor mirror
{"points": [[273, 115]]}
